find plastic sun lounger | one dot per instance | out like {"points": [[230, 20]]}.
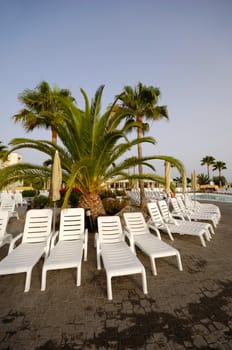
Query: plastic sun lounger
{"points": [[152, 246], [35, 243], [67, 252], [181, 213], [5, 238], [118, 258], [198, 214], [169, 224]]}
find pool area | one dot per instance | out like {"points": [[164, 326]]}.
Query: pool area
{"points": [[219, 197]]}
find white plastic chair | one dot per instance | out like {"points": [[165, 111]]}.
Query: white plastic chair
{"points": [[181, 227], [5, 238], [35, 243], [118, 258], [152, 246], [72, 238]]}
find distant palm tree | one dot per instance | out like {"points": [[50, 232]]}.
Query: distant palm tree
{"points": [[219, 165], [209, 161], [202, 179], [136, 104], [42, 108]]}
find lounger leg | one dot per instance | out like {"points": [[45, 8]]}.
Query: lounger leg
{"points": [[153, 266], [79, 275], [202, 240], [211, 230], [98, 261], [44, 276], [109, 287], [179, 261], [144, 281], [170, 235], [28, 280]]}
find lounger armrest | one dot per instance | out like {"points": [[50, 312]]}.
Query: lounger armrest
{"points": [[98, 250], [177, 216], [151, 225], [49, 241], [131, 239], [85, 244], [13, 242], [53, 238]]}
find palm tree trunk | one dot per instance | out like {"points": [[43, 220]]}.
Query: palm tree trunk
{"points": [[140, 166], [93, 202], [54, 136]]}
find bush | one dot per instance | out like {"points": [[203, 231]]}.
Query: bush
{"points": [[28, 193], [113, 206], [40, 201], [73, 198]]}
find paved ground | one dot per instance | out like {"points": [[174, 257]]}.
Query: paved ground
{"points": [[183, 310]]}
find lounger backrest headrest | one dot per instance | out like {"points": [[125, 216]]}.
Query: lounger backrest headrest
{"points": [[175, 205], [110, 229], [38, 225], [135, 223], [72, 223], [164, 209], [154, 212]]}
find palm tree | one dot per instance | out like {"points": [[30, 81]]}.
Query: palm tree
{"points": [[92, 145], [42, 108], [202, 179], [91, 152], [209, 161], [136, 104], [219, 165]]}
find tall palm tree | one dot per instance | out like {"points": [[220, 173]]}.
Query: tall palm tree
{"points": [[137, 104], [42, 107], [209, 161], [219, 165]]}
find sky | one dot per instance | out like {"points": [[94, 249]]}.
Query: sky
{"points": [[183, 47]]}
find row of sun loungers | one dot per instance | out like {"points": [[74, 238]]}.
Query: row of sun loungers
{"points": [[67, 247]]}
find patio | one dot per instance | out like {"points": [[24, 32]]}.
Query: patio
{"points": [[182, 310]]}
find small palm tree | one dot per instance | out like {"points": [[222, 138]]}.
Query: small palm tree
{"points": [[42, 108], [202, 179], [137, 104], [208, 161]]}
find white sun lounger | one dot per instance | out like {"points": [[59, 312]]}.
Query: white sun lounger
{"points": [[118, 258], [169, 224], [152, 246], [35, 243], [67, 252]]}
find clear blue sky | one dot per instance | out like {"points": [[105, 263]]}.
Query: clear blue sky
{"points": [[184, 47]]}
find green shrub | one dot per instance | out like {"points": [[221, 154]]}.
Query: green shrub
{"points": [[28, 193], [113, 206], [40, 201]]}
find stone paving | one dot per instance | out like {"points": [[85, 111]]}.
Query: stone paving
{"points": [[190, 310]]}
